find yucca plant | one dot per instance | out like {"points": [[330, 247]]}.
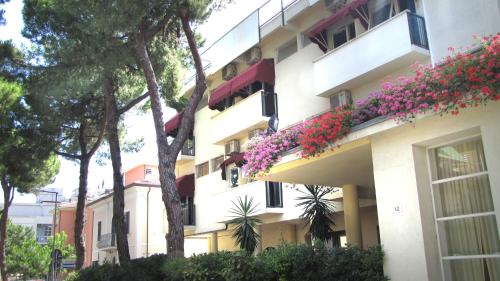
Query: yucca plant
{"points": [[318, 211], [244, 223]]}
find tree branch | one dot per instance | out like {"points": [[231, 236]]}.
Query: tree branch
{"points": [[68, 155], [153, 30], [132, 103], [201, 85], [100, 136]]}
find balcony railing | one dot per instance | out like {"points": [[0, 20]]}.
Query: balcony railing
{"points": [[418, 33], [381, 50], [107, 241], [247, 34]]}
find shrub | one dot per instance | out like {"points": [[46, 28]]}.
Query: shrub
{"points": [[285, 263]]}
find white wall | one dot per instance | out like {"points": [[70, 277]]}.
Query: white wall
{"points": [[454, 22], [400, 173]]}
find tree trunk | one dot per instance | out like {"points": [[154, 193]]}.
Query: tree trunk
{"points": [[116, 160], [166, 167], [80, 211], [167, 155], [7, 199]]}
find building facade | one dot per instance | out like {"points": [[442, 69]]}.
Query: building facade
{"points": [[399, 185], [145, 215]]}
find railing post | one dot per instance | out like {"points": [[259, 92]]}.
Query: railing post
{"points": [[282, 14]]}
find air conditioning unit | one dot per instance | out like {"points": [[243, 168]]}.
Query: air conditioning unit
{"points": [[340, 99], [229, 71], [334, 5], [255, 132], [232, 146], [254, 55]]}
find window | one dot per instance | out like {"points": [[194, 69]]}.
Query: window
{"points": [[269, 104], [43, 231], [339, 239], [274, 194], [468, 238], [287, 49], [344, 34], [202, 169], [99, 230], [216, 163], [187, 204], [127, 221], [188, 147]]}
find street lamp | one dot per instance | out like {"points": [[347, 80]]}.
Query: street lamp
{"points": [[53, 253]]}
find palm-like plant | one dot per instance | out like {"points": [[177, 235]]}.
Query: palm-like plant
{"points": [[318, 211], [244, 223]]}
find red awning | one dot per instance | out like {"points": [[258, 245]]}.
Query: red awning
{"points": [[237, 158], [262, 71], [185, 185], [316, 31], [172, 124]]}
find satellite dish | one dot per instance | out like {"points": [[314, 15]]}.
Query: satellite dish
{"points": [[273, 124]]}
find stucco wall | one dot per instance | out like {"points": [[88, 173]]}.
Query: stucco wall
{"points": [[400, 172], [453, 22]]}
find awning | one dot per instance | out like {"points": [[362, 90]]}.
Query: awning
{"points": [[185, 185], [173, 124], [317, 35], [262, 71], [237, 158]]}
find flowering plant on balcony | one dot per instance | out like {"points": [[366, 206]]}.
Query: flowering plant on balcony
{"points": [[321, 131], [464, 80], [461, 81], [264, 151]]}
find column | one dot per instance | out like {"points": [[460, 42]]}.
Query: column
{"points": [[259, 246], [213, 243], [351, 215]]}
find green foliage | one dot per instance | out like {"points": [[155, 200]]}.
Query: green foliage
{"points": [[26, 158], [318, 211], [285, 263], [244, 223], [25, 257]]}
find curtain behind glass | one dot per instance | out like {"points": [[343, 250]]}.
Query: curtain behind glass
{"points": [[466, 236]]}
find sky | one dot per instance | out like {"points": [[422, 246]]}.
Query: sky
{"points": [[138, 125]]}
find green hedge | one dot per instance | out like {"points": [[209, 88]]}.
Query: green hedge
{"points": [[285, 263]]}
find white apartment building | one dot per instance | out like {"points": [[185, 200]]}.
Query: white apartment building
{"points": [[296, 59]]}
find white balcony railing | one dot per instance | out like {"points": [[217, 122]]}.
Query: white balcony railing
{"points": [[396, 43], [270, 16], [248, 112]]}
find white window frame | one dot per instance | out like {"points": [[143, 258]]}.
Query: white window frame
{"points": [[432, 182]]}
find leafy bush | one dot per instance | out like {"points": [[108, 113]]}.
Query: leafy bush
{"points": [[285, 263]]}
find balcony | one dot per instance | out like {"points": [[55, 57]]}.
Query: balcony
{"points": [[268, 201], [396, 43], [107, 242], [249, 116]]}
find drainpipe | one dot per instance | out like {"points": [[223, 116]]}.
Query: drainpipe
{"points": [[147, 223]]}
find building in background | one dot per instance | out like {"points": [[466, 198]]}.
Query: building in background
{"points": [[39, 215], [66, 215], [145, 215], [397, 184]]}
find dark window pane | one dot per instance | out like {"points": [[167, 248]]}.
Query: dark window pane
{"points": [[381, 15], [339, 38]]}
